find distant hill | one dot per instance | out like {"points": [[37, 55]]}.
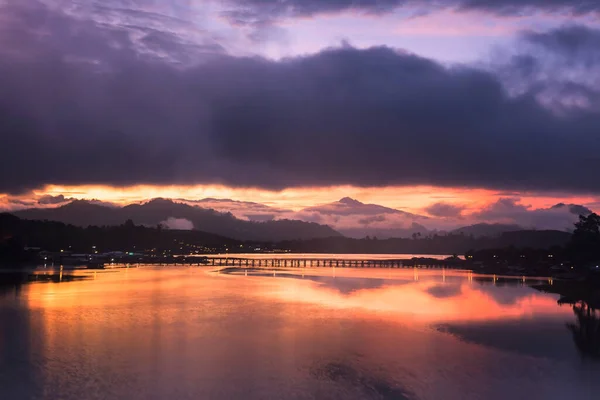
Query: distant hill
{"points": [[436, 244], [51, 235], [356, 219], [241, 209], [55, 236], [491, 230], [533, 239], [385, 233], [157, 211], [350, 206]]}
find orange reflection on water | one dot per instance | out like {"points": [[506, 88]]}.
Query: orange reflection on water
{"points": [[420, 295], [160, 332], [424, 298]]}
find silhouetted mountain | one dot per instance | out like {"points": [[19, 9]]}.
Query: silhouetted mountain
{"points": [[356, 219], [154, 212], [51, 235], [349, 206], [433, 244], [77, 212], [536, 239], [15, 233], [385, 233], [479, 230]]}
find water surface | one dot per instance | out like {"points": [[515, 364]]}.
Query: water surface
{"points": [[192, 333]]}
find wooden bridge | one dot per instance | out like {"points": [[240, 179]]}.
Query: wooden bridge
{"points": [[263, 262], [328, 263]]}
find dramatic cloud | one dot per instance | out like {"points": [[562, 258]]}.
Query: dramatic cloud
{"points": [[575, 209], [80, 104], [522, 6], [257, 11], [578, 43], [508, 210], [271, 20], [561, 68], [242, 209], [161, 30], [445, 210]]}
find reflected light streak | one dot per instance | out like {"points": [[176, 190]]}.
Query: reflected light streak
{"points": [[413, 299]]}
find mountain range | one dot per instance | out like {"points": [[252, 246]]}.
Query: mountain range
{"points": [[484, 229], [348, 217], [167, 212]]}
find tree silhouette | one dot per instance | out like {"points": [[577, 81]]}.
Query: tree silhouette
{"points": [[586, 330], [584, 246], [129, 224]]}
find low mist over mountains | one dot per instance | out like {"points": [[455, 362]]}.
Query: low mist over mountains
{"points": [[348, 217], [177, 216], [356, 219], [16, 233]]}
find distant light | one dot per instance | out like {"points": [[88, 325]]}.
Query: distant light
{"points": [[61, 250]]}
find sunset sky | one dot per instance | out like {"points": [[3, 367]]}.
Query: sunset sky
{"points": [[466, 109]]}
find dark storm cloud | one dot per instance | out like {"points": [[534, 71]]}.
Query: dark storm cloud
{"points": [[523, 6], [79, 104], [579, 43], [266, 11], [262, 15], [559, 67]]}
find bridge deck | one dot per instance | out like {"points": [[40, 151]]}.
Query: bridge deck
{"points": [[329, 263]]}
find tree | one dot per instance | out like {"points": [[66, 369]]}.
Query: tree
{"points": [[589, 225], [584, 246], [11, 250]]}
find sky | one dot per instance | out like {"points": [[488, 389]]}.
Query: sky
{"points": [[444, 109]]}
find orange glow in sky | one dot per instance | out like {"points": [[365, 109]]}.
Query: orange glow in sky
{"points": [[409, 198]]}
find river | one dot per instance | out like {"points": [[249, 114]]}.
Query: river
{"points": [[194, 333]]}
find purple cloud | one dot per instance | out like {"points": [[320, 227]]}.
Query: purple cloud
{"points": [[445, 210], [84, 102]]}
